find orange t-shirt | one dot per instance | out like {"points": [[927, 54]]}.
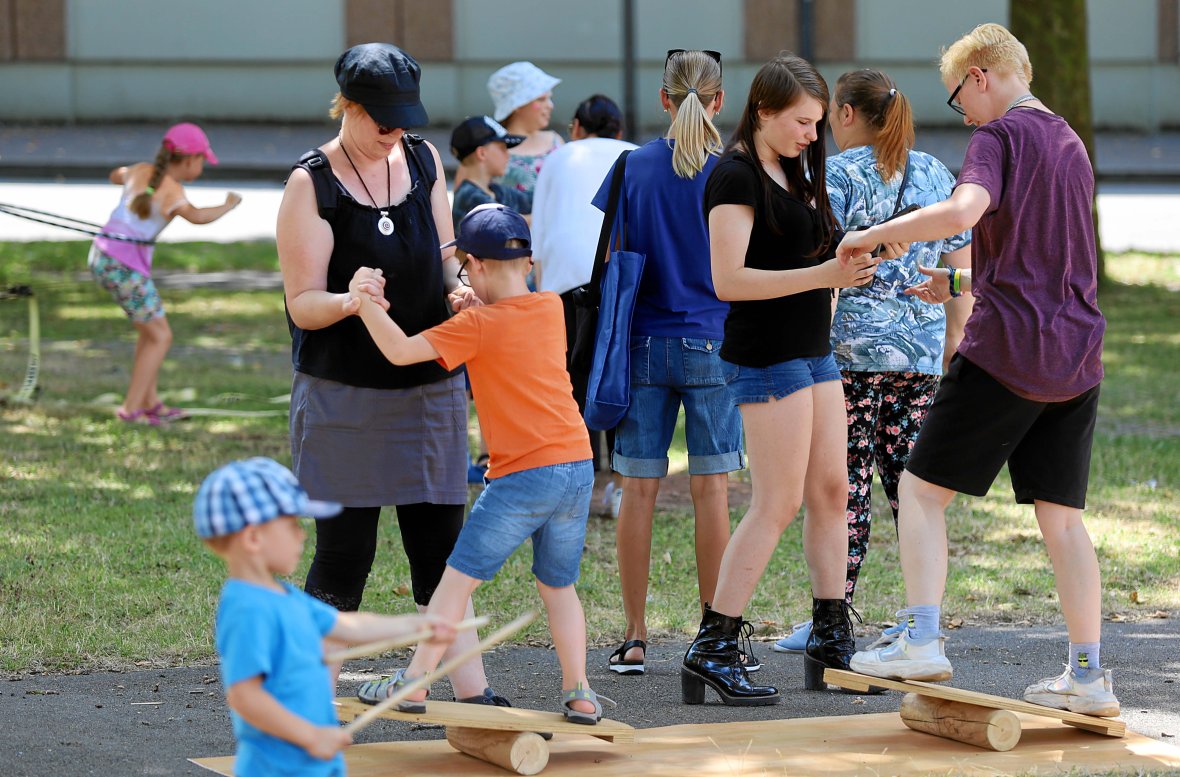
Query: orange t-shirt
{"points": [[515, 355]]}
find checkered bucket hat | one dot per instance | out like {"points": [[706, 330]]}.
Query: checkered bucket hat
{"points": [[251, 492]]}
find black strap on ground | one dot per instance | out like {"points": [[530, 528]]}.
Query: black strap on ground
{"points": [[67, 222]]}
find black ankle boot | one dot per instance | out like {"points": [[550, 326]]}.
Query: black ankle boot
{"points": [[831, 643], [712, 659]]}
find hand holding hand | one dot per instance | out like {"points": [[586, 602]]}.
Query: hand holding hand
{"points": [[327, 741], [937, 290], [855, 242], [857, 270], [894, 250], [463, 298], [232, 199], [367, 285]]}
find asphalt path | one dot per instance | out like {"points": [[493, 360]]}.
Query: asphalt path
{"points": [[1131, 216], [149, 721]]}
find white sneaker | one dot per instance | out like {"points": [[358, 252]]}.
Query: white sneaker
{"points": [[903, 660], [1088, 692]]}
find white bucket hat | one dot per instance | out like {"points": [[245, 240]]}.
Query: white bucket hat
{"points": [[518, 84]]}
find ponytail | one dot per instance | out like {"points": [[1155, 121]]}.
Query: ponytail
{"points": [[886, 110], [692, 80], [141, 205]]}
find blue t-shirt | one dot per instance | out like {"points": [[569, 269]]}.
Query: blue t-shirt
{"points": [[280, 637], [877, 328], [665, 222]]}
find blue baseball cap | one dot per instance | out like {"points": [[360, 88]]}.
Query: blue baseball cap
{"points": [[251, 492], [485, 231]]}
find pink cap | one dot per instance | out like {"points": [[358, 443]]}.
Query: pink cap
{"points": [[188, 138]]}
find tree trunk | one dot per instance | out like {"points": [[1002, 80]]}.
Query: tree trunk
{"points": [[1054, 32]]}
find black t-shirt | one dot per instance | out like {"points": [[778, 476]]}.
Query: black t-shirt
{"points": [[759, 333]]}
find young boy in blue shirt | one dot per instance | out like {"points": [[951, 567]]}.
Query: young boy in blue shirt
{"points": [[270, 635]]}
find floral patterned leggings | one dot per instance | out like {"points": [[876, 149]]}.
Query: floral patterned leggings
{"points": [[885, 412]]}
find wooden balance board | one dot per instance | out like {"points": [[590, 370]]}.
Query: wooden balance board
{"points": [[509, 737], [967, 716]]}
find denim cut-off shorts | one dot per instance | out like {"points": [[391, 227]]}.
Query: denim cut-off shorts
{"points": [[133, 291], [665, 373], [762, 384], [548, 504]]}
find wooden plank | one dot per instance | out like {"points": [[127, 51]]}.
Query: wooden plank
{"points": [[450, 713], [869, 745], [1114, 727]]}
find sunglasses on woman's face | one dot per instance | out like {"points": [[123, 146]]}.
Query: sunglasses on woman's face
{"points": [[713, 55]]}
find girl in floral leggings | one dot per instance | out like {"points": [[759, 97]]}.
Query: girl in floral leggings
{"points": [[889, 346]]}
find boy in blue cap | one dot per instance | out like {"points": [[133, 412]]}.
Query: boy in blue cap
{"points": [[540, 474], [270, 635]]}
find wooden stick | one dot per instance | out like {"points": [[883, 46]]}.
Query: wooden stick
{"points": [[373, 648], [447, 667]]}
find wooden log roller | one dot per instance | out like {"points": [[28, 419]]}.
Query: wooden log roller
{"points": [[991, 729]]}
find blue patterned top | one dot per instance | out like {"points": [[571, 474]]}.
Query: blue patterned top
{"points": [[876, 328]]}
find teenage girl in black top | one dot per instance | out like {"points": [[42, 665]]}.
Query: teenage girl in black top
{"points": [[772, 232]]}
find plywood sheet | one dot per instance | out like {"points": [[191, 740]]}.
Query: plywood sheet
{"points": [[844, 745], [449, 713], [1114, 727]]}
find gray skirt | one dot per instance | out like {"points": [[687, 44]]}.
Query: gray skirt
{"points": [[366, 447]]}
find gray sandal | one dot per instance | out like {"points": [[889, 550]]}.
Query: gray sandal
{"points": [[377, 691], [583, 694]]}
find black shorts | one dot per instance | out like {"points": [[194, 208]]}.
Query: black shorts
{"points": [[975, 424]]}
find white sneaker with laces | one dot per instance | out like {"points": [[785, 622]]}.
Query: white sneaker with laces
{"points": [[903, 660], [1088, 692], [890, 635]]}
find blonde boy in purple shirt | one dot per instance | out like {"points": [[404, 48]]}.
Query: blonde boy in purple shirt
{"points": [[1023, 388]]}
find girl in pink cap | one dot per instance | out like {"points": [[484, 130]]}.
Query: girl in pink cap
{"points": [[152, 195]]}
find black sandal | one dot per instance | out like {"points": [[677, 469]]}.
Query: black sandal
{"points": [[624, 666]]}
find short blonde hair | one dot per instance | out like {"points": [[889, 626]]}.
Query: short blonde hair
{"points": [[989, 46], [340, 104]]}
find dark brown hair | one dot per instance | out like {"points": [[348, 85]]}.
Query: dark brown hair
{"points": [[780, 83], [886, 110], [141, 204]]}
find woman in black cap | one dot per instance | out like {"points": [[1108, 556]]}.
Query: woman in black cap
{"points": [[364, 432]]}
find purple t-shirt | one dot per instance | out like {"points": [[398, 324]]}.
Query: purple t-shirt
{"points": [[1036, 327]]}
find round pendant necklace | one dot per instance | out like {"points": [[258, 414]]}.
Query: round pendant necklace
{"points": [[1024, 98], [384, 224]]}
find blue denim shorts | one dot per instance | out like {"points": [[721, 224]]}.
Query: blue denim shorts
{"points": [[665, 373], [549, 504], [762, 384]]}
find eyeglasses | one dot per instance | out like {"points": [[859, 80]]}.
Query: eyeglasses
{"points": [[954, 106], [383, 130], [462, 274], [714, 55]]}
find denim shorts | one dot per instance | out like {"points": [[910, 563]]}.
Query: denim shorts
{"points": [[133, 291], [665, 373], [549, 504], [762, 384]]}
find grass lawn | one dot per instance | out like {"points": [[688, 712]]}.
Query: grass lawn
{"points": [[99, 566]]}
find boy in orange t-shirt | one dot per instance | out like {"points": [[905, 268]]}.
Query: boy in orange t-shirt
{"points": [[540, 475]]}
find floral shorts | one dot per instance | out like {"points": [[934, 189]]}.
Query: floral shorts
{"points": [[134, 291]]}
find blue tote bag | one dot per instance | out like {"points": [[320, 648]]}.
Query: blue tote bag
{"points": [[608, 391]]}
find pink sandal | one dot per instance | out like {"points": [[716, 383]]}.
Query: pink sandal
{"points": [[138, 417], [165, 413]]}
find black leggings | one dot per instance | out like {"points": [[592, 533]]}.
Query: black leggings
{"points": [[346, 545]]}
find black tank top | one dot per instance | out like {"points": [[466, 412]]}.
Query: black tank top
{"points": [[412, 263]]}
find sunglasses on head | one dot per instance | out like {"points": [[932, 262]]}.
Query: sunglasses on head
{"points": [[713, 55]]}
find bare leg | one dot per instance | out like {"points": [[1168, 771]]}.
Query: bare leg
{"points": [[633, 548], [825, 492], [1075, 567], [155, 338], [451, 600], [469, 679], [710, 501], [778, 438], [567, 624], [921, 533]]}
